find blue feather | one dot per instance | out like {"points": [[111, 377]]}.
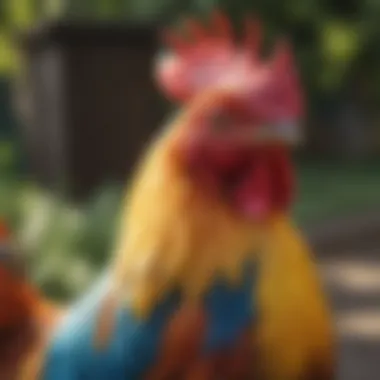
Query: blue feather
{"points": [[134, 345], [229, 310]]}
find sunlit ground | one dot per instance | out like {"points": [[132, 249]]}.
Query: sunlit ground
{"points": [[353, 280]]}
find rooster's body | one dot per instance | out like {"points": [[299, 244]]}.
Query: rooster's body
{"points": [[173, 341], [210, 280]]}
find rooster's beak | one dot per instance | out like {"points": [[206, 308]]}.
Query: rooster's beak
{"points": [[288, 133]]}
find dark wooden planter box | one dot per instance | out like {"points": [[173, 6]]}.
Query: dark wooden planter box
{"points": [[93, 102]]}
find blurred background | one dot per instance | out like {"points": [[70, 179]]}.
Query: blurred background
{"points": [[78, 104]]}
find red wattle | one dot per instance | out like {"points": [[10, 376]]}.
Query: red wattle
{"points": [[282, 174], [253, 195]]}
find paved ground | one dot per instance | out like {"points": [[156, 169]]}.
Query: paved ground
{"points": [[352, 278]]}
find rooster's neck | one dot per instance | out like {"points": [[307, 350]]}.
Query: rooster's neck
{"points": [[172, 235]]}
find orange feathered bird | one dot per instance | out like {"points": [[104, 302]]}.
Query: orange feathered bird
{"points": [[25, 316]]}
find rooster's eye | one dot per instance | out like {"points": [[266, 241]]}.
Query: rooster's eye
{"points": [[220, 121]]}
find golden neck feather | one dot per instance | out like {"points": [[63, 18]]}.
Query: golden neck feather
{"points": [[173, 235]]}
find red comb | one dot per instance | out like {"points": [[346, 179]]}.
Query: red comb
{"points": [[283, 64], [210, 57], [205, 56]]}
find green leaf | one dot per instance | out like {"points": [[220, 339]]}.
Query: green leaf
{"points": [[340, 41], [7, 53], [20, 13]]}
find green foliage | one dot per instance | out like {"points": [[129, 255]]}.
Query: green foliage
{"points": [[330, 189], [67, 244]]}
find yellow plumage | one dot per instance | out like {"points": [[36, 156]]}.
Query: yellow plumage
{"points": [[172, 234], [295, 332]]}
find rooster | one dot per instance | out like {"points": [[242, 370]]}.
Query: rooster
{"points": [[210, 279]]}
